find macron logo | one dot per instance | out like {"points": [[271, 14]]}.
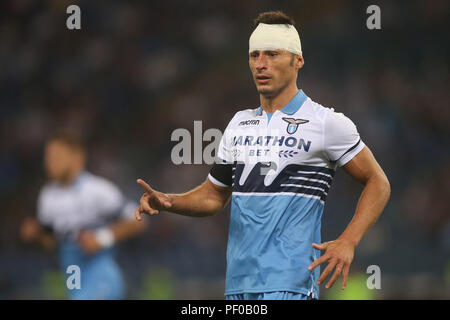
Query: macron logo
{"points": [[249, 122]]}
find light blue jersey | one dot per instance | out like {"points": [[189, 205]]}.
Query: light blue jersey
{"points": [[282, 170], [100, 278]]}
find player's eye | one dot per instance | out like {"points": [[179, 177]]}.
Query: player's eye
{"points": [[272, 54]]}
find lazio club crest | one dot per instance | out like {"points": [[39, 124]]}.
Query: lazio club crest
{"points": [[293, 124]]}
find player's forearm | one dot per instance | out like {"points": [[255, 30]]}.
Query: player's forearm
{"points": [[199, 202], [373, 200], [125, 229]]}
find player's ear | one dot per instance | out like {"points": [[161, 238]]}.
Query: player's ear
{"points": [[299, 61]]}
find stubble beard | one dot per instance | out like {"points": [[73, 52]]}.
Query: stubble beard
{"points": [[271, 93]]}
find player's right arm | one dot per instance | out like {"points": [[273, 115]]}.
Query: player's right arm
{"points": [[31, 231], [38, 230], [205, 200]]}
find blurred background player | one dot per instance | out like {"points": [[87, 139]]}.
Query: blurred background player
{"points": [[82, 215]]}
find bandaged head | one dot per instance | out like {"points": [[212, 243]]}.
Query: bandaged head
{"points": [[275, 36]]}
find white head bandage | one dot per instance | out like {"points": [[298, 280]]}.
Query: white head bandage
{"points": [[275, 36]]}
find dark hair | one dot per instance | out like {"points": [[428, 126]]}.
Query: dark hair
{"points": [[273, 17], [69, 138]]}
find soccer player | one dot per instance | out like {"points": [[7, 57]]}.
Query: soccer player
{"points": [[276, 163], [84, 216]]}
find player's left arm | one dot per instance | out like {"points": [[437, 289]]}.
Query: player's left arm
{"points": [[113, 207], [339, 253], [124, 229], [120, 230]]}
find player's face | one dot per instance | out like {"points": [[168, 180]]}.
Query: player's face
{"points": [[272, 70], [58, 160]]}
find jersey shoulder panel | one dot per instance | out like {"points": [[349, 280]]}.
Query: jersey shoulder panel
{"points": [[241, 115], [109, 199], [102, 186], [327, 115], [316, 110], [46, 194]]}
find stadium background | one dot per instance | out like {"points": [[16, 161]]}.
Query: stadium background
{"points": [[136, 71]]}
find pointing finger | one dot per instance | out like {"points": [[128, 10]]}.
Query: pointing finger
{"points": [[144, 186]]}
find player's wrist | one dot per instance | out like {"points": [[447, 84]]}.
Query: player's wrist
{"points": [[105, 237], [352, 242]]}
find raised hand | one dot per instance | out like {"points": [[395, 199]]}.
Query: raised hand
{"points": [[151, 201]]}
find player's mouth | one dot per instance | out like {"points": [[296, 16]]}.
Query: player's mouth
{"points": [[261, 79]]}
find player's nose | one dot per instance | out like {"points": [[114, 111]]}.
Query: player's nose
{"points": [[260, 62]]}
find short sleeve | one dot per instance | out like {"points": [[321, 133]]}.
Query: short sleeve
{"points": [[224, 154], [110, 199], [341, 139], [220, 173]]}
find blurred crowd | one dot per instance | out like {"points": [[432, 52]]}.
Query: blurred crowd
{"points": [[136, 71]]}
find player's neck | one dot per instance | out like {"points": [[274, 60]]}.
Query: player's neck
{"points": [[71, 176], [270, 104]]}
